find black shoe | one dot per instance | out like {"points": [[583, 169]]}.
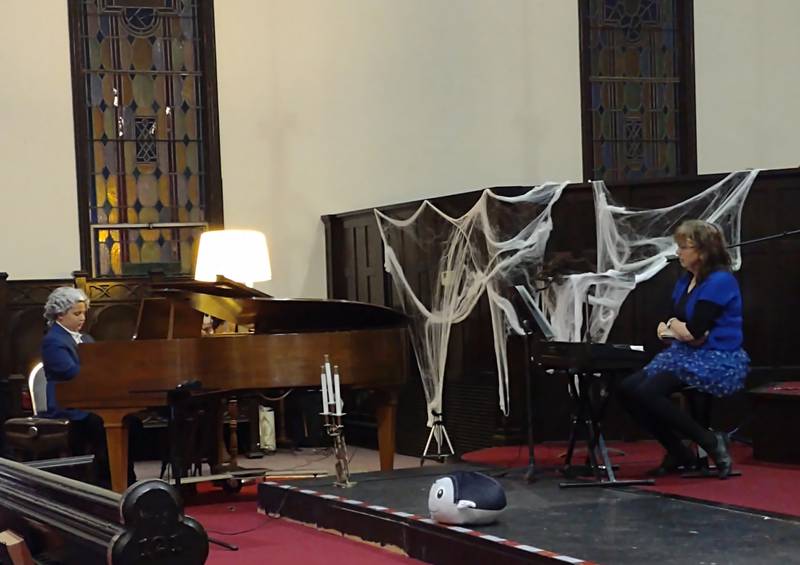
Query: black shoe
{"points": [[721, 455], [672, 465]]}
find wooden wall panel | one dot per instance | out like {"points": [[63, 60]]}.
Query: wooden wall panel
{"points": [[769, 279], [112, 314]]}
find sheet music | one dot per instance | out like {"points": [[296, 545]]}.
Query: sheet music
{"points": [[538, 316]]}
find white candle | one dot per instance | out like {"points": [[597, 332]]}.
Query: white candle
{"points": [[324, 390], [331, 397], [336, 393]]}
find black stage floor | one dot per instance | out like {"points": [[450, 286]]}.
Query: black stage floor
{"points": [[542, 522]]}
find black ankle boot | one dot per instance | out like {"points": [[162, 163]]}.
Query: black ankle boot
{"points": [[719, 453], [668, 466], [674, 465]]}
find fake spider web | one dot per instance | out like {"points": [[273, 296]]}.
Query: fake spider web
{"points": [[632, 247], [500, 243], [499, 239]]}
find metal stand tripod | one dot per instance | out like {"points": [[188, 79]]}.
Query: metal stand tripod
{"points": [[438, 432]]}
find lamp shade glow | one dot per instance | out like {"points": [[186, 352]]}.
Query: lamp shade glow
{"points": [[239, 255]]}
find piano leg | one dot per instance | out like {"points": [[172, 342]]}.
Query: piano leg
{"points": [[386, 415], [117, 440]]}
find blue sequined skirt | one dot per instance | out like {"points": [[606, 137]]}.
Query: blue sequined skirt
{"points": [[715, 371]]}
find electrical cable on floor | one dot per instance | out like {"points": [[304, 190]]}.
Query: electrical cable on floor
{"points": [[247, 531], [278, 398], [306, 464], [270, 517], [505, 469]]}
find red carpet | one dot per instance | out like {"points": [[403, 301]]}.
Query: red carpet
{"points": [[261, 539], [762, 486], [234, 519]]}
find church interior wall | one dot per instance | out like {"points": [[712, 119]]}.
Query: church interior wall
{"points": [[327, 107]]}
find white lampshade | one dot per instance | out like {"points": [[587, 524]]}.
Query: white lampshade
{"points": [[239, 255]]}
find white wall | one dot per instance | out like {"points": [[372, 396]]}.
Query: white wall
{"points": [[748, 84], [333, 105], [38, 198]]}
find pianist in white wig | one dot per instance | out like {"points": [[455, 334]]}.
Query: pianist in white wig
{"points": [[61, 300]]}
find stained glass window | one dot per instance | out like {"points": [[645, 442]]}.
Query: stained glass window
{"points": [[637, 89], [141, 87]]}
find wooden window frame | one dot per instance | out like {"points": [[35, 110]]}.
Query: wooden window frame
{"points": [[210, 123], [687, 125]]}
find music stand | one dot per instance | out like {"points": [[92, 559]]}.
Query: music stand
{"points": [[548, 335], [176, 398], [586, 412], [536, 313]]}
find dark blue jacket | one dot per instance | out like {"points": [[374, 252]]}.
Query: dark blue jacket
{"points": [[720, 288], [61, 363]]}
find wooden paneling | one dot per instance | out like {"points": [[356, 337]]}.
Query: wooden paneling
{"points": [[112, 314], [769, 278]]}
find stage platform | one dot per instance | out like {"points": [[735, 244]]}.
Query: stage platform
{"points": [[542, 523]]}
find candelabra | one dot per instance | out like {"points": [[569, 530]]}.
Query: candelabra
{"points": [[332, 398]]}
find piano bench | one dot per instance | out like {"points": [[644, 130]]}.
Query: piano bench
{"points": [[698, 404], [35, 438]]}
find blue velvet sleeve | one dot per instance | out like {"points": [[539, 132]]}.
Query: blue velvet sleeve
{"points": [[719, 288], [59, 362]]}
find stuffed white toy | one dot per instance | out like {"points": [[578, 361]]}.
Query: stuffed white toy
{"points": [[466, 497]]}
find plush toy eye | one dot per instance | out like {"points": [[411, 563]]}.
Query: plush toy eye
{"points": [[440, 493]]}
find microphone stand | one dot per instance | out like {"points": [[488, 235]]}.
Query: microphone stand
{"points": [[765, 238], [530, 473], [745, 243]]}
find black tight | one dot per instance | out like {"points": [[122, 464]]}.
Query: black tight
{"points": [[89, 436], [647, 399]]}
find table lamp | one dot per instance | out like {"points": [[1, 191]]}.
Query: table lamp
{"points": [[238, 255]]}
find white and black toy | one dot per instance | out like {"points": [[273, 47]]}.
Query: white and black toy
{"points": [[466, 497]]}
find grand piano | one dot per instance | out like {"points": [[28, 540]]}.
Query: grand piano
{"points": [[290, 338]]}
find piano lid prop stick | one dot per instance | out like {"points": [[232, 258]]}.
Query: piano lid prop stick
{"points": [[323, 380], [337, 395]]}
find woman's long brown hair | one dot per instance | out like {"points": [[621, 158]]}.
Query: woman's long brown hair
{"points": [[710, 244]]}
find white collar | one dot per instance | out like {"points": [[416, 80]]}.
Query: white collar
{"points": [[75, 335]]}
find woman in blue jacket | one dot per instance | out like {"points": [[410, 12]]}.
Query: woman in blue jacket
{"points": [[705, 350]]}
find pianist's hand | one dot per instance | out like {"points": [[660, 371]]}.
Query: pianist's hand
{"points": [[680, 331]]}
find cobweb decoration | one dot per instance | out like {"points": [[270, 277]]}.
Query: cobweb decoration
{"points": [[499, 242], [632, 247]]}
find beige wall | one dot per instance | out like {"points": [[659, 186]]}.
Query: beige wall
{"points": [[354, 103], [332, 105], [38, 198], [748, 86]]}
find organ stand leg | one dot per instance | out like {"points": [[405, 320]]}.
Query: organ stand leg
{"points": [[283, 440], [588, 411], [253, 448], [117, 440], [386, 415], [233, 436], [224, 458]]}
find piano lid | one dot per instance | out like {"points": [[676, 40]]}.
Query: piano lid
{"points": [[279, 315], [221, 287]]}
